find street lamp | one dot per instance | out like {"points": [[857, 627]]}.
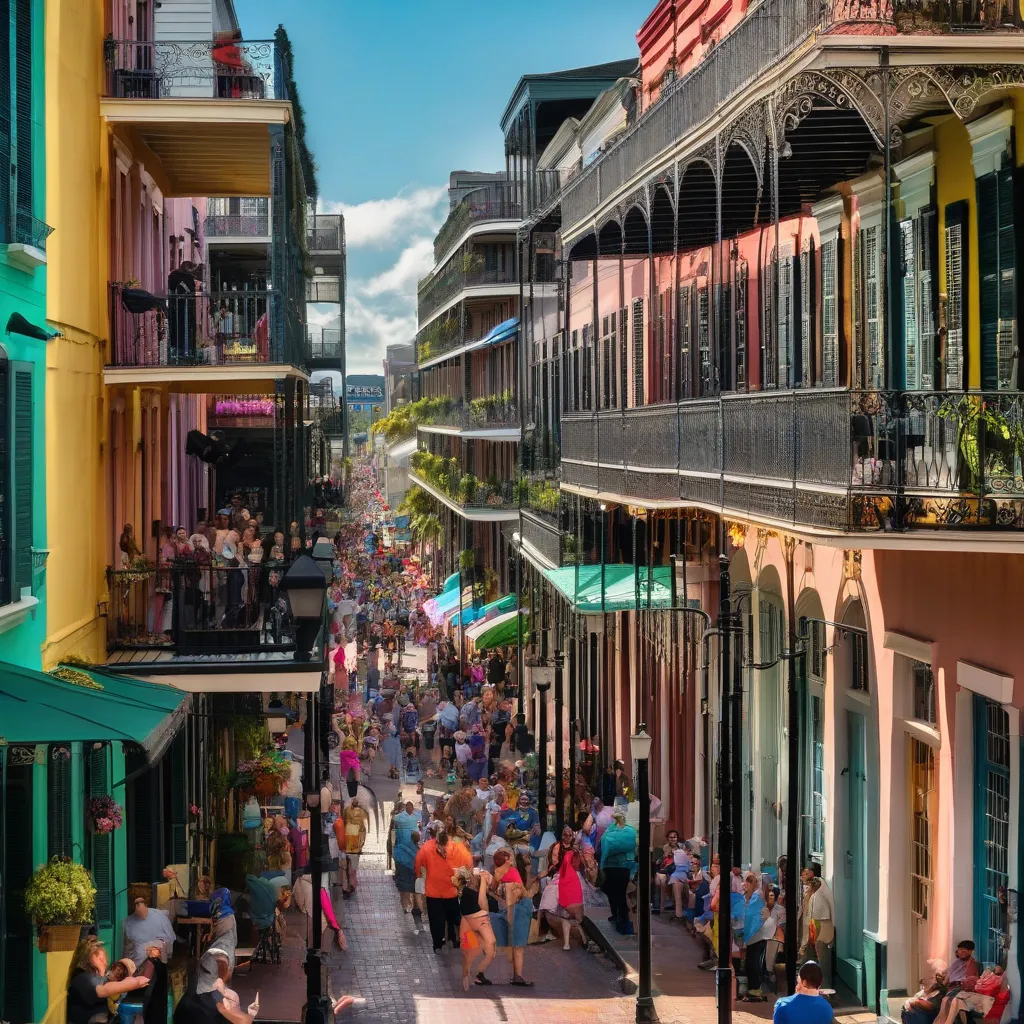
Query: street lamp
{"points": [[305, 589], [323, 555], [559, 743], [640, 747], [543, 677]]}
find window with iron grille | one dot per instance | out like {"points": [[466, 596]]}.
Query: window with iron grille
{"points": [[586, 382], [911, 336], [927, 257], [685, 344], [956, 290], [638, 352], [806, 336], [624, 356], [924, 805], [785, 324], [924, 692], [606, 384], [830, 312], [768, 350], [858, 661], [817, 651]]}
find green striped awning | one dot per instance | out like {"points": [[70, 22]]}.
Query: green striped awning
{"points": [[619, 588]]}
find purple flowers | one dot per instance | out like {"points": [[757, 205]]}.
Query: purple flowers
{"points": [[106, 814]]}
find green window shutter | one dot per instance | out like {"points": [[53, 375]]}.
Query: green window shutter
{"points": [[997, 272], [101, 846], [5, 122], [23, 108], [22, 460], [58, 807], [911, 326], [6, 526], [179, 801], [830, 313]]}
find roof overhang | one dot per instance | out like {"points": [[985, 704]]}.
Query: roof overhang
{"points": [[206, 147], [240, 377], [279, 680]]}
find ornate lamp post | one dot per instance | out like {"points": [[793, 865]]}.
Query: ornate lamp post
{"points": [[640, 748]]}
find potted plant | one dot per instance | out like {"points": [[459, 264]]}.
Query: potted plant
{"points": [[60, 898], [105, 814], [264, 774]]}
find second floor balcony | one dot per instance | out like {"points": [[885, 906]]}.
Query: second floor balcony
{"points": [[493, 203], [325, 234], [201, 335], [490, 499], [826, 460], [238, 218], [325, 343], [484, 416], [466, 273]]}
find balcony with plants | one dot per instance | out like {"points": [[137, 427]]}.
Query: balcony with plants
{"points": [[841, 461], [447, 477], [465, 270], [493, 203]]}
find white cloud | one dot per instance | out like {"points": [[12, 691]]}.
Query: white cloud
{"points": [[403, 276], [378, 223]]}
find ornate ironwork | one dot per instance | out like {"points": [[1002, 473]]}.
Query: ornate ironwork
{"points": [[21, 755]]}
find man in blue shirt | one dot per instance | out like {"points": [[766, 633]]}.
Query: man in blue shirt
{"points": [[807, 1005]]}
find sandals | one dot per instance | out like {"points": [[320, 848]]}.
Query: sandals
{"points": [[521, 982]]}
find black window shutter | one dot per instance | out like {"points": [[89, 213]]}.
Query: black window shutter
{"points": [[17, 782], [6, 526], [997, 277], [638, 352], [101, 845], [179, 802], [58, 807], [23, 104], [5, 120], [22, 458]]}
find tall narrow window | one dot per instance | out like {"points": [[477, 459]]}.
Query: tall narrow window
{"points": [[956, 294], [740, 323], [829, 313], [704, 341], [606, 384], [768, 349], [873, 335], [806, 335], [612, 351], [22, 471], [723, 367], [997, 269], [927, 283], [684, 360], [23, 118], [911, 332], [624, 355], [785, 321], [638, 352], [585, 384], [924, 800]]}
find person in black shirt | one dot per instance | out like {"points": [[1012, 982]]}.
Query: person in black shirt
{"points": [[88, 988], [524, 739], [496, 669]]}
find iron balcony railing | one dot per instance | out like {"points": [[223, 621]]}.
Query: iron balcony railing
{"points": [[467, 490], [461, 273], [199, 609], [543, 534], [756, 45], [198, 329], [254, 222], [325, 343], [166, 69], [324, 233], [494, 202], [491, 412], [24, 229], [840, 460]]}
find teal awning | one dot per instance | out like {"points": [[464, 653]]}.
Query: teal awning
{"points": [[452, 583], [625, 587], [36, 707], [504, 604]]}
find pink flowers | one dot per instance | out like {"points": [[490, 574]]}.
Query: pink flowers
{"points": [[245, 407], [106, 814], [194, 810]]}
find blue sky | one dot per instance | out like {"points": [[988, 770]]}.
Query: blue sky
{"points": [[397, 94]]}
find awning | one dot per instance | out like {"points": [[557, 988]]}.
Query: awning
{"points": [[503, 630], [88, 705], [451, 583], [452, 612], [624, 586], [489, 611], [400, 452], [241, 681], [505, 330]]}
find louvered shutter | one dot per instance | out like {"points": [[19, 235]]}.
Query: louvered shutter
{"points": [[911, 330], [740, 322], [873, 306], [724, 378], [23, 117], [58, 801], [829, 313], [997, 274], [6, 234], [858, 313], [956, 293], [613, 351], [768, 324], [22, 466], [624, 356], [927, 284], [16, 949], [6, 526], [638, 352], [685, 342], [179, 801], [803, 285], [606, 384], [703, 341], [785, 321], [101, 846]]}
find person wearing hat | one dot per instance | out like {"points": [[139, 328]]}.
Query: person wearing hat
{"points": [[618, 856]]}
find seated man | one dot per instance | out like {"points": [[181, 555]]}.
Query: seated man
{"points": [[923, 1007], [961, 975], [978, 1000]]}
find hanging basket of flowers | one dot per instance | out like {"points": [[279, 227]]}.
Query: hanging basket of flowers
{"points": [[264, 774], [60, 899], [105, 815]]}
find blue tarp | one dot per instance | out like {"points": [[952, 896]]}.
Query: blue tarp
{"points": [[502, 332]]}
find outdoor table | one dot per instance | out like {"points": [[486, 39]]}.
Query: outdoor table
{"points": [[199, 923]]}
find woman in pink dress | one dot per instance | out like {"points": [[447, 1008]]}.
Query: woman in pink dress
{"points": [[565, 862]]}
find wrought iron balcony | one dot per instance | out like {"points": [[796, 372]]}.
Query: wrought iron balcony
{"points": [[463, 272], [836, 460], [193, 609], [542, 534], [227, 219], [758, 43], [495, 202], [199, 329], [493, 412], [25, 230], [325, 343], [447, 477], [165, 69], [324, 233]]}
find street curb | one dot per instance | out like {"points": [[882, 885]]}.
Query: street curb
{"points": [[628, 978]]}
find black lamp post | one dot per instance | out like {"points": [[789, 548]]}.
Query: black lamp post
{"points": [[640, 748], [559, 743], [542, 679], [305, 589]]}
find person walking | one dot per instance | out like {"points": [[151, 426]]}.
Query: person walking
{"points": [[472, 885], [565, 862], [618, 857], [512, 922], [439, 859], [356, 824]]}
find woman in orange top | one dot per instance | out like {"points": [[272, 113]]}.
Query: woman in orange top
{"points": [[437, 861]]}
